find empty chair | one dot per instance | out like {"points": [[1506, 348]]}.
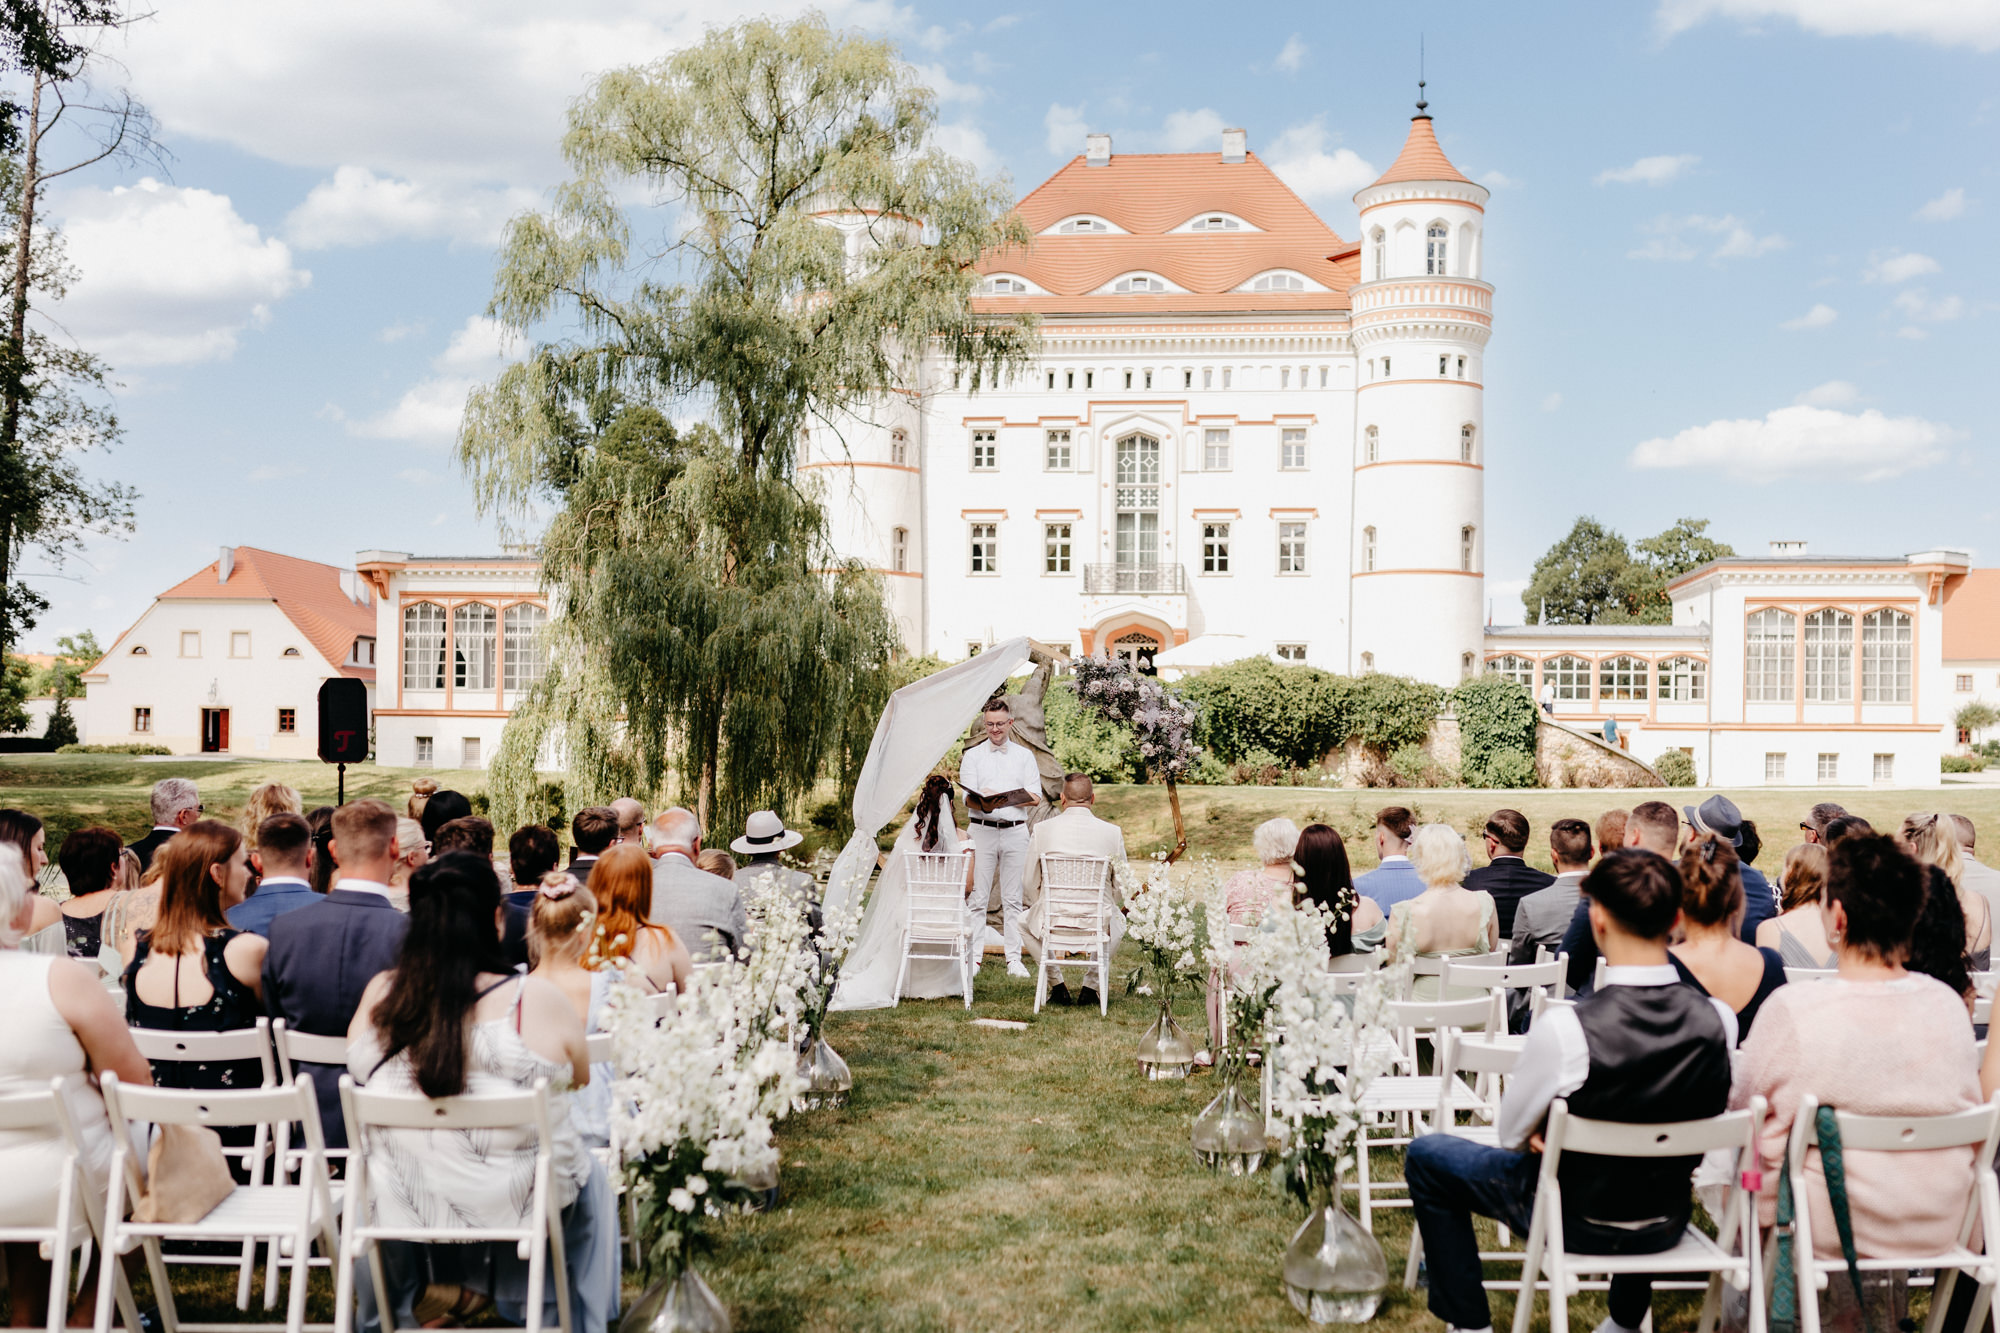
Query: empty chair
{"points": [[936, 925], [1074, 892], [1519, 989], [75, 1214], [1392, 1110]]}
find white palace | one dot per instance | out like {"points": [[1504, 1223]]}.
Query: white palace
{"points": [[1245, 436]]}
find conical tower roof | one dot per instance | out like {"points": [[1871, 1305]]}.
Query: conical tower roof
{"points": [[1421, 158]]}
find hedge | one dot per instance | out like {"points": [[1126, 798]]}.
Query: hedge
{"points": [[1496, 732]]}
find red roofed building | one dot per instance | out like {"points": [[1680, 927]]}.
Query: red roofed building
{"points": [[1972, 646], [230, 659]]}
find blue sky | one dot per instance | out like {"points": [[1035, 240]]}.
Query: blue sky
{"points": [[1743, 249]]}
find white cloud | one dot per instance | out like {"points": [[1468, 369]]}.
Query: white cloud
{"points": [[1818, 317], [1802, 441], [1912, 332], [1656, 170], [400, 330], [1066, 127], [1293, 57], [1499, 180], [429, 411], [1551, 402], [967, 141], [1899, 268], [358, 207], [170, 275], [1916, 304], [1301, 159], [946, 87], [1971, 23], [1833, 393], [1191, 131], [1949, 205], [1677, 239]]}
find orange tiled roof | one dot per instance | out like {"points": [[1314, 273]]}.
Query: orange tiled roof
{"points": [[1149, 194], [1421, 158], [1972, 617], [308, 592]]}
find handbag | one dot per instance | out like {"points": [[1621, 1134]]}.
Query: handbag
{"points": [[186, 1175], [1784, 1276]]}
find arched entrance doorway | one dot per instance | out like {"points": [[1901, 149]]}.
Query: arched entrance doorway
{"points": [[1136, 646]]}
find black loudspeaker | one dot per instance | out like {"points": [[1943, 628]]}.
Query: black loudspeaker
{"points": [[343, 721]]}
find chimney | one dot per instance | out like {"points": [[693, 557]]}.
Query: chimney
{"points": [[1788, 548], [1235, 145], [1097, 150], [224, 565]]}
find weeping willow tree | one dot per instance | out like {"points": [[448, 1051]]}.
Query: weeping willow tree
{"points": [[812, 250]]}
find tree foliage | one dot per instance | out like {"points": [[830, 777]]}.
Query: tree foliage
{"points": [[1675, 768], [1591, 577], [1299, 714], [817, 244], [1497, 719]]}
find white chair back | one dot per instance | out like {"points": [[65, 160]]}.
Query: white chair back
{"points": [[1074, 888], [1370, 961], [1794, 975], [76, 1218], [597, 1047], [934, 901], [292, 1048], [1437, 1015], [164, 1046]]}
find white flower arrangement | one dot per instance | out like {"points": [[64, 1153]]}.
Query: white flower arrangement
{"points": [[1164, 919]]}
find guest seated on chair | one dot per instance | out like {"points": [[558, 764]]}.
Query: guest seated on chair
{"points": [[1325, 880], [91, 860], [1643, 1049], [1394, 880], [283, 861], [1077, 831], [1249, 892], [651, 954], [1716, 961], [1446, 920], [1797, 932], [1507, 874], [532, 853]]}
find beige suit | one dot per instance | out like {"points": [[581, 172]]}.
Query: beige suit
{"points": [[1077, 832]]}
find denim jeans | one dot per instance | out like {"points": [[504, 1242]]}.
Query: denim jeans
{"points": [[1451, 1179]]}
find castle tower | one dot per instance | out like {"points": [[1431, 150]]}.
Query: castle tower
{"points": [[1421, 319]]}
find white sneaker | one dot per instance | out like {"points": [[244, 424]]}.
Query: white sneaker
{"points": [[1018, 969]]}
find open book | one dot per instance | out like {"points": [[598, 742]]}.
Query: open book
{"points": [[986, 805]]}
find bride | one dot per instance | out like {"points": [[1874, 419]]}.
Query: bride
{"points": [[868, 980]]}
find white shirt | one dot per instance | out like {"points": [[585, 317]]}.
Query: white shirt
{"points": [[287, 879], [363, 886], [1556, 1059], [990, 770]]}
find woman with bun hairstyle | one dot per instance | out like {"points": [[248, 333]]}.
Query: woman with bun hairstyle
{"points": [[1712, 957]]}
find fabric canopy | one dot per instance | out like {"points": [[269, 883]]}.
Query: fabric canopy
{"points": [[918, 727]]}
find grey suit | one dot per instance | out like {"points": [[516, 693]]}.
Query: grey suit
{"points": [[1539, 921], [802, 886], [1983, 879], [698, 907]]}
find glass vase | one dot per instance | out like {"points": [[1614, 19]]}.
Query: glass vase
{"points": [[828, 1079], [679, 1303], [1164, 1050], [1334, 1270], [1229, 1133]]}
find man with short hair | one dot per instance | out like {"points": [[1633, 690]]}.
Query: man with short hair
{"points": [[631, 820], [532, 852], [1077, 831], [323, 955], [1543, 916], [1978, 875], [1507, 874], [1816, 820], [176, 804], [283, 862], [1653, 827], [705, 910], [1611, 830], [1647, 1050], [594, 829], [468, 833], [1395, 880], [1003, 786]]}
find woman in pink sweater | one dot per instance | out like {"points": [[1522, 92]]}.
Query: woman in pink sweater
{"points": [[1875, 1040]]}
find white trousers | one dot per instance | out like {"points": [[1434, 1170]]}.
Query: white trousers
{"points": [[1003, 852]]}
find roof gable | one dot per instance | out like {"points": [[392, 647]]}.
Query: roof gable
{"points": [[309, 593]]}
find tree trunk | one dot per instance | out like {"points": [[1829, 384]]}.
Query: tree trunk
{"points": [[1180, 831], [14, 372], [711, 747]]}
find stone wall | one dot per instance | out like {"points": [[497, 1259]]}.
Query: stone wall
{"points": [[1564, 757]]}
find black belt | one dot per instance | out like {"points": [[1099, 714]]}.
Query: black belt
{"points": [[999, 823]]}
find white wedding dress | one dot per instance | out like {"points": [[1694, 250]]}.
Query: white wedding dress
{"points": [[868, 978]]}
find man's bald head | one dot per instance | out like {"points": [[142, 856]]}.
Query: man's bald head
{"points": [[1078, 790], [631, 819], [679, 830]]}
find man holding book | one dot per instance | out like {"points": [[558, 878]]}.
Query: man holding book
{"points": [[1002, 788]]}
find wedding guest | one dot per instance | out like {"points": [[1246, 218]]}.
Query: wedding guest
{"points": [[623, 887], [1543, 916], [412, 851], [1877, 1039], [1645, 1049], [470, 833], [176, 804], [1611, 830], [1816, 820], [1076, 831], [421, 792], [441, 809], [765, 839], [324, 869], [532, 853], [593, 829], [703, 910], [1248, 892], [25, 834], [91, 860], [1652, 826], [717, 862], [1716, 960], [1760, 896], [562, 927], [283, 862], [272, 798], [1507, 874], [1446, 920], [1394, 880], [1933, 840], [1325, 880], [631, 820], [60, 1022], [450, 1019], [1798, 933], [1981, 878]]}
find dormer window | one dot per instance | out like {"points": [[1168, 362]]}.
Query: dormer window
{"points": [[1276, 282], [1216, 221], [289, 652], [138, 650], [1005, 286], [1084, 226], [1139, 282]]}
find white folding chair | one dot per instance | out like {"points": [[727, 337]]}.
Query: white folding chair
{"points": [[289, 1216], [1975, 1129], [936, 926], [1730, 1255], [1405, 1099], [1488, 1058], [597, 1046], [1370, 961], [1794, 975], [78, 1216], [1073, 906], [165, 1046], [292, 1048], [1542, 981], [538, 1239]]}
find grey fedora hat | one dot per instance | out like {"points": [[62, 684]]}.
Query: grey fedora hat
{"points": [[1717, 815]]}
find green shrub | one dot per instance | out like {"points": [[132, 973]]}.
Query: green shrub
{"points": [[1297, 713], [1675, 769], [1963, 763], [1208, 771], [62, 726], [1411, 764], [1085, 743], [1390, 712], [1496, 717], [1991, 749], [112, 749]]}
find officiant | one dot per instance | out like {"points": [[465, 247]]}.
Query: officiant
{"points": [[1003, 789]]}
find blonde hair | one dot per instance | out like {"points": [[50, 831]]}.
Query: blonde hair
{"points": [[409, 838], [716, 862], [421, 792], [1275, 840], [273, 798], [13, 893], [1439, 856], [562, 926], [1804, 877], [1933, 840]]}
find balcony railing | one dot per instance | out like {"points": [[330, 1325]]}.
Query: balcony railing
{"points": [[1145, 579]]}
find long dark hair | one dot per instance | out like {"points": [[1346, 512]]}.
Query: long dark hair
{"points": [[935, 786], [451, 941], [441, 809], [19, 828], [320, 817], [1937, 943], [1324, 877]]}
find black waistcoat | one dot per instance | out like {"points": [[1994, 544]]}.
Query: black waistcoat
{"points": [[1657, 1054]]}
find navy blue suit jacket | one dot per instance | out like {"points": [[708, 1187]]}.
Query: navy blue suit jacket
{"points": [[1509, 879], [320, 960]]}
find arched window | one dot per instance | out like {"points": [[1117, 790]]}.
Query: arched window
{"points": [[1623, 679], [1138, 282], [1367, 550], [1371, 445], [527, 655], [290, 652], [1770, 644], [1465, 440], [1465, 666], [1683, 680], [1367, 662], [1885, 657], [1085, 226], [423, 646], [1277, 282], [899, 448], [1435, 244], [1467, 539], [1005, 286], [1829, 653], [1215, 222], [1570, 676], [138, 650], [899, 550], [472, 644], [1520, 670], [1378, 255]]}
